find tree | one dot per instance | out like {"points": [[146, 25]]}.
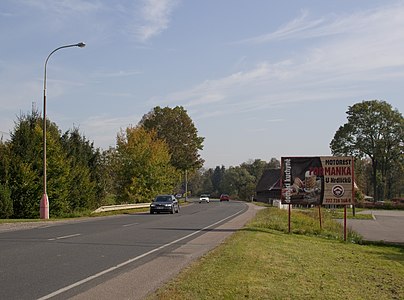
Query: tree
{"points": [[376, 131], [217, 178], [85, 189], [363, 175], [142, 166], [6, 205], [105, 176], [274, 164], [255, 168], [195, 183], [207, 186], [238, 181], [26, 168], [177, 129]]}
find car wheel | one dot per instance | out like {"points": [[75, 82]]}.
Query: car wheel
{"points": [[172, 210]]}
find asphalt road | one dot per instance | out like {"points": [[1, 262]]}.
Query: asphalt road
{"points": [[66, 260], [386, 226]]}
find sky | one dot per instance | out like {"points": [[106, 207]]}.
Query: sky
{"points": [[259, 78]]}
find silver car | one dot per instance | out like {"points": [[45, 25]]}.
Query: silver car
{"points": [[165, 203]]}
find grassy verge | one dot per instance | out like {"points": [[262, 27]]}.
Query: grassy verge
{"points": [[19, 220], [338, 213], [263, 262]]}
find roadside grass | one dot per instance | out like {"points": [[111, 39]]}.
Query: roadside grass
{"points": [[337, 214], [19, 220], [263, 261], [304, 222], [84, 214]]}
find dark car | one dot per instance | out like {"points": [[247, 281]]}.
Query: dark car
{"points": [[164, 203], [224, 197]]}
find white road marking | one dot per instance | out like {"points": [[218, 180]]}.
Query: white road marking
{"points": [[46, 226], [64, 237], [78, 283], [131, 224]]}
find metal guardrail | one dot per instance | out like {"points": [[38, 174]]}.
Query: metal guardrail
{"points": [[125, 206], [121, 206]]}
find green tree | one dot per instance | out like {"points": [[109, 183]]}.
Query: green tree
{"points": [[255, 168], [195, 183], [238, 181], [217, 178], [376, 131], [6, 205], [142, 166], [25, 171], [105, 176], [85, 192], [5, 160], [274, 164], [178, 130], [207, 185], [26, 168], [363, 175]]}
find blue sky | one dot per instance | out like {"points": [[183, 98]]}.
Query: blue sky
{"points": [[259, 78]]}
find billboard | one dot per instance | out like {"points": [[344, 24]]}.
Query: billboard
{"points": [[317, 180]]}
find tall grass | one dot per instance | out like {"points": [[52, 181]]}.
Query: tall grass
{"points": [[303, 222]]}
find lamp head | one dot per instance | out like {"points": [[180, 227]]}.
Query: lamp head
{"points": [[81, 45]]}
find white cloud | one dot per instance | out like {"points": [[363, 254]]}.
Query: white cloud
{"points": [[63, 7], [292, 29], [353, 50], [303, 27], [120, 73], [156, 17], [102, 19], [102, 127]]}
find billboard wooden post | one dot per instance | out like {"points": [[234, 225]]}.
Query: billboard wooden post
{"points": [[345, 223], [289, 210], [319, 216]]}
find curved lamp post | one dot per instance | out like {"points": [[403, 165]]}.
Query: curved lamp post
{"points": [[44, 206]]}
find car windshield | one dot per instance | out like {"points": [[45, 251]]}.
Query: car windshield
{"points": [[163, 199]]}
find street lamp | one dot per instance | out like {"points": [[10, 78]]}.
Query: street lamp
{"points": [[44, 206]]}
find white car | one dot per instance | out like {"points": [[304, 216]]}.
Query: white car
{"points": [[204, 197]]}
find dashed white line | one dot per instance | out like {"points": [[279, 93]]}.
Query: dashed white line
{"points": [[131, 224], [64, 237]]}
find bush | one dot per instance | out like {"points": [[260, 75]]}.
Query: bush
{"points": [[381, 205]]}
